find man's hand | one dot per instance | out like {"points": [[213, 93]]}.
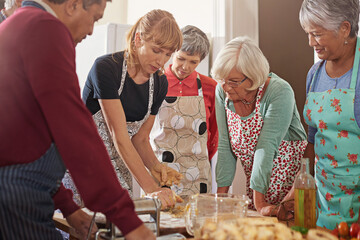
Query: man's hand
{"points": [[166, 175], [81, 221]]}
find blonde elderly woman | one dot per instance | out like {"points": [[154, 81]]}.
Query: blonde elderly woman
{"points": [[10, 7], [258, 124], [332, 108]]}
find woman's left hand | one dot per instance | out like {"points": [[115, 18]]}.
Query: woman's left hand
{"points": [[166, 175], [268, 210], [81, 221]]}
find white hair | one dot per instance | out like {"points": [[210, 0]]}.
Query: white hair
{"points": [[243, 54], [330, 14]]}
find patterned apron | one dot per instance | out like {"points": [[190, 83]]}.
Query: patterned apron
{"points": [[122, 171], [179, 138], [26, 204], [337, 148], [244, 136]]}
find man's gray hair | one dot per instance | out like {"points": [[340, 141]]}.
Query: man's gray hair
{"points": [[195, 41], [329, 14], [86, 3]]}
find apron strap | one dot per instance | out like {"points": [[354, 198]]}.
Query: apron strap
{"points": [[199, 86], [315, 75], [355, 65]]}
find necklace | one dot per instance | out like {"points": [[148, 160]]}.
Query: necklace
{"points": [[335, 83], [246, 102]]}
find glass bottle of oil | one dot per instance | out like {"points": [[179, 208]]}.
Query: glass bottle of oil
{"points": [[305, 197]]}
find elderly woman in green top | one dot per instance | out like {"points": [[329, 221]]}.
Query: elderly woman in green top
{"points": [[258, 124]]}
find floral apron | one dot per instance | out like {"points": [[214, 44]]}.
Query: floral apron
{"points": [[122, 171], [179, 138], [243, 138], [337, 148]]}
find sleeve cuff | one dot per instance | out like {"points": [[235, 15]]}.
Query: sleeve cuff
{"points": [[311, 134], [223, 184], [128, 220], [63, 201], [258, 189]]}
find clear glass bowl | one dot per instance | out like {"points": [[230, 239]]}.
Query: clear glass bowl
{"points": [[203, 208]]}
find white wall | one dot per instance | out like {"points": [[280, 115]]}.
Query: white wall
{"points": [[186, 12], [115, 12], [221, 19]]}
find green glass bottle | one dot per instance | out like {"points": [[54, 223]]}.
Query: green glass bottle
{"points": [[305, 197]]}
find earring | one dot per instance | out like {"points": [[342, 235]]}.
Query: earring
{"points": [[346, 42]]}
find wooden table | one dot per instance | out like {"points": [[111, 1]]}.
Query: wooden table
{"points": [[168, 224], [171, 226], [62, 224]]}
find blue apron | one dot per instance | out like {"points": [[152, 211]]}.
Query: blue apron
{"points": [[337, 151], [26, 190]]}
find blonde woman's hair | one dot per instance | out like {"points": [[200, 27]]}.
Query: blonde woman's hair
{"points": [[245, 56], [158, 26]]}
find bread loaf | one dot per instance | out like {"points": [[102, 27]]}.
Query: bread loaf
{"points": [[248, 229]]}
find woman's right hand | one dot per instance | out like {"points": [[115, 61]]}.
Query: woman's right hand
{"points": [[167, 197], [166, 175]]}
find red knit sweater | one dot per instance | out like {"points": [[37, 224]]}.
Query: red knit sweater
{"points": [[40, 104]]}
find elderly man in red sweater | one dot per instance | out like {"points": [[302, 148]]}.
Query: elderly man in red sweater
{"points": [[45, 127]]}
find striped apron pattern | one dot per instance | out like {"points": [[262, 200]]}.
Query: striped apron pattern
{"points": [[26, 190]]}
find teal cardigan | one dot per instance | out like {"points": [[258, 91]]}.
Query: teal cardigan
{"points": [[281, 122]]}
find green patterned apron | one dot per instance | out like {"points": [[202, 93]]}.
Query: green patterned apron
{"points": [[337, 148]]}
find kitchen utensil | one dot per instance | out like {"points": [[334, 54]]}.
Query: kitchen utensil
{"points": [[143, 206], [91, 226]]}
